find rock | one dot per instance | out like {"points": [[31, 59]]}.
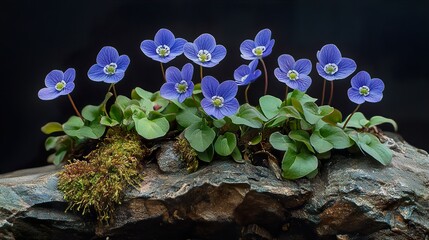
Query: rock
{"points": [[353, 197], [168, 160]]}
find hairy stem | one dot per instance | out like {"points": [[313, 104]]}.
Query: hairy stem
{"points": [[286, 92], [323, 92], [163, 72], [245, 93], [332, 93], [348, 119], [266, 76], [201, 72], [74, 106]]}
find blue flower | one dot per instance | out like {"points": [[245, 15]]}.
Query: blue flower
{"points": [[179, 85], [365, 89], [259, 48], [331, 65], [294, 74], [165, 47], [57, 84], [204, 51], [246, 74], [219, 99], [110, 67]]}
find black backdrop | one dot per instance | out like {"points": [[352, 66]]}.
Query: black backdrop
{"points": [[389, 39]]}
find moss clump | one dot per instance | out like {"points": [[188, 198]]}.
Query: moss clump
{"points": [[187, 153], [99, 181]]}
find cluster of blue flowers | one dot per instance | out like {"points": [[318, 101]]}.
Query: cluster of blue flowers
{"points": [[220, 98]]}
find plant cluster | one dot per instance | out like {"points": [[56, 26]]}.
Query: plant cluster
{"points": [[293, 132]]}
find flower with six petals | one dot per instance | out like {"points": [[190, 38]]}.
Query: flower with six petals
{"points": [[219, 99], [246, 74], [57, 84], [164, 48], [179, 85], [110, 67], [258, 48], [331, 65], [365, 89], [204, 51], [293, 74]]}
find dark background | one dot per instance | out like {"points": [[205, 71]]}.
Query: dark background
{"points": [[389, 39]]}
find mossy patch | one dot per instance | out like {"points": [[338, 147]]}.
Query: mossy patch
{"points": [[187, 153], [98, 182]]}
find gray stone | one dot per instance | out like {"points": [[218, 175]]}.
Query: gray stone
{"points": [[353, 197], [168, 160]]}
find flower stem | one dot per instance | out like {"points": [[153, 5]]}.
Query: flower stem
{"points": [[323, 92], [332, 93], [348, 119], [201, 72], [163, 72], [266, 76], [74, 106], [196, 105], [114, 90], [286, 92], [245, 93]]}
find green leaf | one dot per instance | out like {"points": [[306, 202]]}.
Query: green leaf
{"points": [[357, 121], [91, 112], [59, 156], [116, 113], [313, 113], [108, 121], [320, 144], [197, 89], [334, 117], [207, 155], [256, 140], [296, 165], [187, 117], [139, 93], [290, 112], [225, 144], [75, 127], [249, 116], [377, 120], [151, 129], [300, 97], [218, 123], [200, 136], [237, 156], [329, 137], [370, 144], [281, 142], [302, 136], [50, 143], [52, 127], [270, 105]]}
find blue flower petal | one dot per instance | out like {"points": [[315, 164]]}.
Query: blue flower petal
{"points": [[217, 113], [69, 75], [107, 55], [292, 84], [268, 48], [164, 37], [286, 62], [229, 107], [219, 53], [114, 78], [345, 68], [304, 82], [227, 89], [205, 42], [168, 91], [191, 52], [374, 97], [362, 78], [329, 54], [354, 96], [208, 106], [263, 37], [177, 48], [187, 72], [241, 71], [303, 66], [280, 75], [96, 73], [255, 75], [68, 89], [323, 74], [246, 48], [48, 93], [172, 74], [148, 47], [123, 62], [253, 65], [209, 86], [376, 85], [54, 77]]}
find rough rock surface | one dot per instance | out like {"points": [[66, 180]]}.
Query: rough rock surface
{"points": [[353, 197]]}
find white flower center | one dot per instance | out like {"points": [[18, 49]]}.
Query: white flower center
{"points": [[60, 85], [217, 101], [110, 69], [204, 56], [258, 51], [331, 68], [293, 75], [242, 79], [163, 50], [181, 87], [364, 91]]}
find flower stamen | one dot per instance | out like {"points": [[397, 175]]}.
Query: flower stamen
{"points": [[364, 91], [60, 85], [217, 101], [204, 56], [258, 51], [110, 69], [331, 68], [293, 75], [163, 50], [181, 87]]}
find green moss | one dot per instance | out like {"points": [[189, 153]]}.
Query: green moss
{"points": [[99, 182], [187, 153]]}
